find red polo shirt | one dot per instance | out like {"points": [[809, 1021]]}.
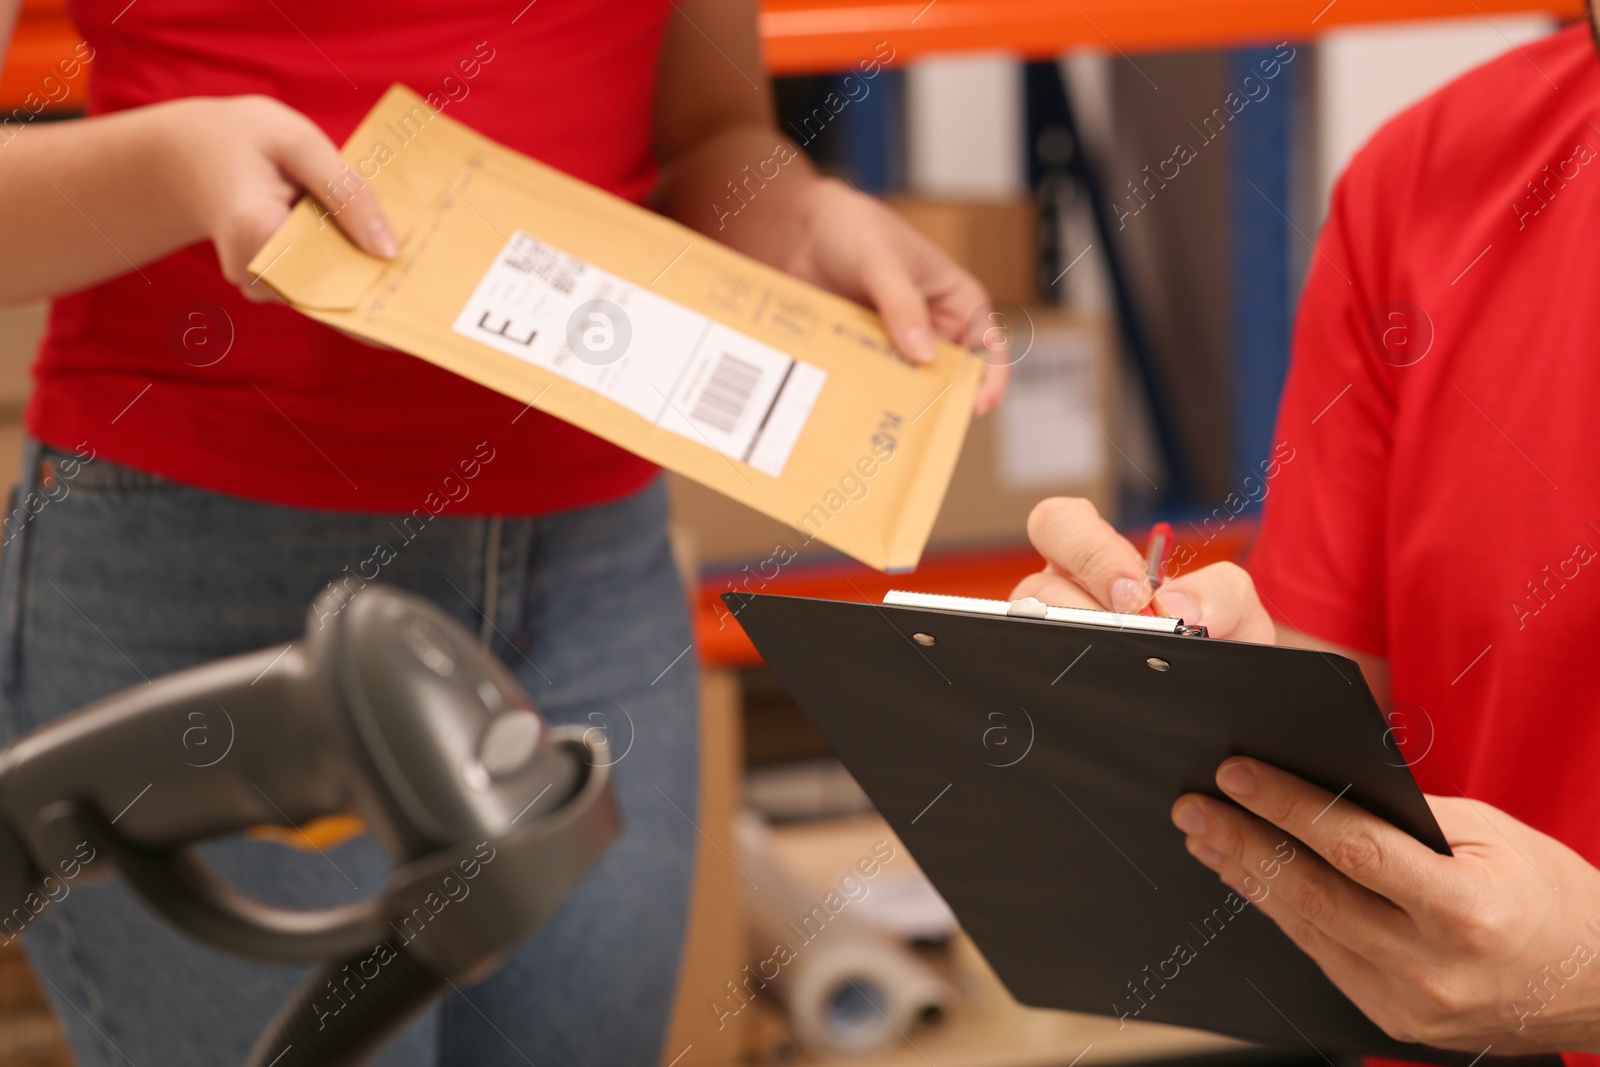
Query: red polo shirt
{"points": [[293, 412], [1442, 507]]}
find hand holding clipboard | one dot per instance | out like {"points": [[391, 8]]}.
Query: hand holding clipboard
{"points": [[1437, 950]]}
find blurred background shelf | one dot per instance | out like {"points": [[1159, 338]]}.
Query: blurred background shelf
{"points": [[815, 36], [44, 36], [808, 36]]}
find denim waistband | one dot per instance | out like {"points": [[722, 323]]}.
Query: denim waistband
{"points": [[84, 469]]}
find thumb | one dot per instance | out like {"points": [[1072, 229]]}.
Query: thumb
{"points": [[311, 160], [1081, 546], [1222, 598], [902, 306]]}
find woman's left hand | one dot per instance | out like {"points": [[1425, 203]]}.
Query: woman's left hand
{"points": [[856, 246], [1495, 947]]}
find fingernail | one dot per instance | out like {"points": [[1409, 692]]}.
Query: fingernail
{"points": [[1127, 595], [1178, 605], [916, 343], [381, 239], [1206, 854], [1190, 819], [1237, 779]]}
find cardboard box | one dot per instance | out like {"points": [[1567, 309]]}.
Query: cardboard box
{"points": [[1052, 436], [635, 328], [30, 1036], [997, 240]]}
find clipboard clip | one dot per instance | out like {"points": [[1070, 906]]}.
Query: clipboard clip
{"points": [[1030, 608]]}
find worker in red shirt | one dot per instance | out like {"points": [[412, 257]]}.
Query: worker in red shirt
{"points": [[202, 463], [1432, 511]]}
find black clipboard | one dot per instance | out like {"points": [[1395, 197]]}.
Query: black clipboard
{"points": [[1028, 757]]}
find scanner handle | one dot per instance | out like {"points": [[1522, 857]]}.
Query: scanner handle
{"points": [[184, 890], [204, 752]]}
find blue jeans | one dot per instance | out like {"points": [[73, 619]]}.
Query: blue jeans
{"points": [[127, 576]]}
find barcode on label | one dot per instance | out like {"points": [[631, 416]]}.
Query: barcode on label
{"points": [[727, 393], [699, 378]]}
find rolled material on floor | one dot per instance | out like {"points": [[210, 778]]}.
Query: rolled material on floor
{"points": [[849, 989], [860, 996]]}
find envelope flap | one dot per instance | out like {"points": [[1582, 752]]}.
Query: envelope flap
{"points": [[314, 267]]}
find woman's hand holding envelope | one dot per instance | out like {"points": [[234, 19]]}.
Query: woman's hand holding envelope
{"points": [[855, 245], [239, 163]]}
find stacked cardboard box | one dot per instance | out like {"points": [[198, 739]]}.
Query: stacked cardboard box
{"points": [[997, 240]]}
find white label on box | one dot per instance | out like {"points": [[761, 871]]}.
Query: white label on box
{"points": [[1048, 433], [675, 367]]}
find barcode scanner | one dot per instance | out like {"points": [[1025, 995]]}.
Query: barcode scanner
{"points": [[387, 710]]}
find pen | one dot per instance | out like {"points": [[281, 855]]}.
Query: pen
{"points": [[1157, 553]]}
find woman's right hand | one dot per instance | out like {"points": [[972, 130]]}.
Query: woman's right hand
{"points": [[239, 164], [1089, 565]]}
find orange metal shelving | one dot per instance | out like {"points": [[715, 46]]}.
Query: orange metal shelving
{"points": [[822, 35], [43, 38], [989, 573]]}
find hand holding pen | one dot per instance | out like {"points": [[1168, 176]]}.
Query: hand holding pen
{"points": [[1088, 564], [1157, 557]]}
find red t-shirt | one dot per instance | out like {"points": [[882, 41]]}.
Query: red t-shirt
{"points": [[1442, 504], [295, 413]]}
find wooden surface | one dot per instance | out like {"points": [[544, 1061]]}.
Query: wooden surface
{"points": [[717, 943], [29, 1033]]}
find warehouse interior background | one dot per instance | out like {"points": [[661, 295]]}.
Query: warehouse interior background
{"points": [[1152, 291]]}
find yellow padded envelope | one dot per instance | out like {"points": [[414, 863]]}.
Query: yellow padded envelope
{"points": [[637, 329]]}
